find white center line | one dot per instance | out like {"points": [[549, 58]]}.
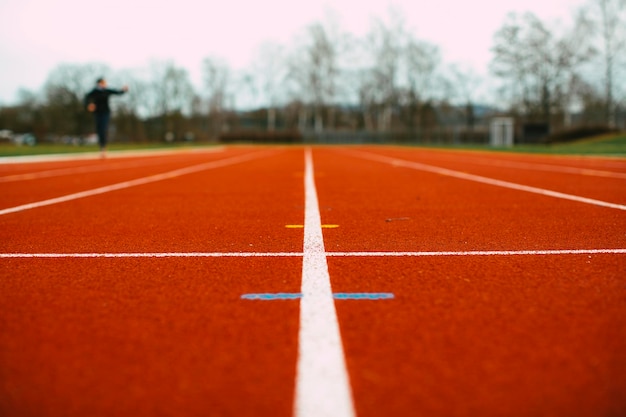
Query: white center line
{"points": [[322, 382], [136, 182]]}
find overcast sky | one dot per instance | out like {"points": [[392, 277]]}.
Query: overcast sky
{"points": [[37, 35]]}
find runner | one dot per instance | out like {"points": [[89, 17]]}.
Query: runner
{"points": [[97, 102]]}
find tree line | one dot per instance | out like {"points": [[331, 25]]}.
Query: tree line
{"points": [[329, 80]]}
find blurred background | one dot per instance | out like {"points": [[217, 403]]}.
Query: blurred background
{"points": [[454, 72]]}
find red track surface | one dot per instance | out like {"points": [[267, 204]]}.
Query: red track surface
{"points": [[466, 334]]}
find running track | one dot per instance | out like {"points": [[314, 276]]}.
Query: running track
{"points": [[324, 281]]}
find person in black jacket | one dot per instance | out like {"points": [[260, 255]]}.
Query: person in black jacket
{"points": [[97, 102]]}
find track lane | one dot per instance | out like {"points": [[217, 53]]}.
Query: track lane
{"points": [[242, 207], [146, 336], [414, 354], [488, 336], [31, 186], [473, 335], [538, 161], [410, 210], [594, 178], [103, 337], [30, 172]]}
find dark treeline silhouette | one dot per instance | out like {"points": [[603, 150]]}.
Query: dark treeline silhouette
{"points": [[329, 86]]}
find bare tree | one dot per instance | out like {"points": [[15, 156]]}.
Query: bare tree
{"points": [[171, 96], [608, 18], [314, 68], [76, 78], [171, 87], [26, 115], [399, 73], [64, 92], [385, 42], [421, 62], [131, 110], [465, 82], [537, 65], [217, 77], [269, 73]]}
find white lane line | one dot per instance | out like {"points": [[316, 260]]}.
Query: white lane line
{"points": [[533, 166], [156, 255], [322, 382], [139, 181], [149, 158], [36, 175], [301, 254], [480, 253], [554, 168], [78, 156], [65, 171], [485, 180]]}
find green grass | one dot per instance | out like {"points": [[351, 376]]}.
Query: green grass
{"points": [[606, 145], [613, 145], [46, 149]]}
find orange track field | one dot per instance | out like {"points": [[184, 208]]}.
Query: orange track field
{"points": [[127, 300]]}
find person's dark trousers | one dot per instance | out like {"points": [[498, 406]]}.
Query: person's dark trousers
{"points": [[102, 126]]}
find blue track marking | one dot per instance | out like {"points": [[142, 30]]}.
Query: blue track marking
{"points": [[274, 296], [337, 296], [363, 295]]}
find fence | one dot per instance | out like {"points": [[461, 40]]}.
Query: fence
{"points": [[434, 136]]}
